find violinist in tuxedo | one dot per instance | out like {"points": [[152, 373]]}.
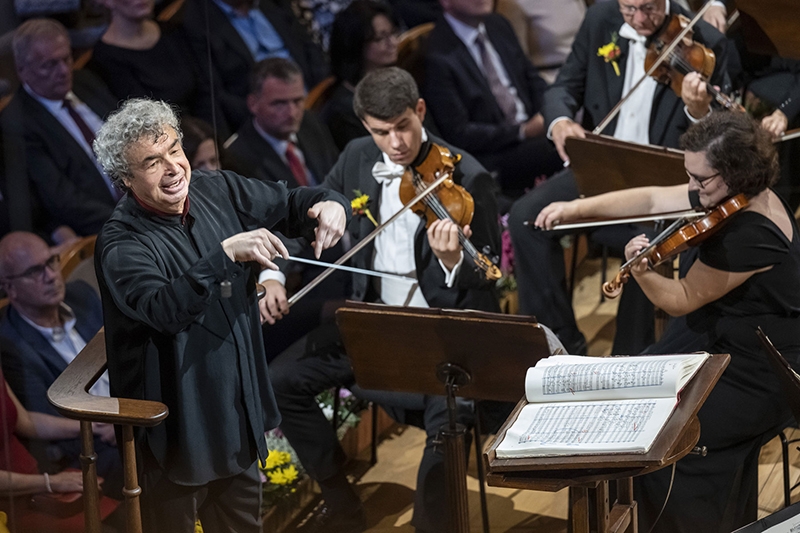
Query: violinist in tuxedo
{"points": [[388, 103], [606, 61]]}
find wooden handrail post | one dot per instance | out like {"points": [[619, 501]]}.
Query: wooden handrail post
{"points": [[132, 490], [91, 494]]}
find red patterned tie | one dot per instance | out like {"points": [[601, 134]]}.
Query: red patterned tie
{"points": [[86, 131], [296, 166]]}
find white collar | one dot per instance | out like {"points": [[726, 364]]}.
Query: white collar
{"points": [[465, 32], [54, 106], [66, 314], [277, 144]]}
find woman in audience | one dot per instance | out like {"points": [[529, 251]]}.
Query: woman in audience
{"points": [[364, 38], [199, 145], [19, 473], [138, 56]]}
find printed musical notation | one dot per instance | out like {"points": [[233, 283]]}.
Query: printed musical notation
{"points": [[570, 379]]}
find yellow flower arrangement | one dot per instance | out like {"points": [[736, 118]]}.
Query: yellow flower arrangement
{"points": [[283, 476], [611, 52], [359, 206], [274, 459]]}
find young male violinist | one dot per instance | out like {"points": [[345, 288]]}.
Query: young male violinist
{"points": [[388, 103], [606, 61]]}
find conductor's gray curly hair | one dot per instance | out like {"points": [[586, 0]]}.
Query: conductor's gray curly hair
{"points": [[138, 118]]}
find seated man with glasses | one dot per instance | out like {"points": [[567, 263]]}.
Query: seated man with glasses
{"points": [[606, 61], [46, 323]]}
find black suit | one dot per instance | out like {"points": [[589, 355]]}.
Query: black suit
{"points": [[467, 113], [252, 156], [587, 81], [31, 365], [232, 59], [66, 186], [300, 373]]}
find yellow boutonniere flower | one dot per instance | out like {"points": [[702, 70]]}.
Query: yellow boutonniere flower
{"points": [[359, 206], [611, 52]]}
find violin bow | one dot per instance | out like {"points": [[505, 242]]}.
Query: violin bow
{"points": [[672, 215], [660, 59], [366, 240]]}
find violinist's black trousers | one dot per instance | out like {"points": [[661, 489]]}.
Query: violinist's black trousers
{"points": [[541, 276]]}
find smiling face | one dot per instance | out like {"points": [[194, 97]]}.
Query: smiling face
{"points": [[705, 179], [47, 68], [400, 137], [160, 172]]}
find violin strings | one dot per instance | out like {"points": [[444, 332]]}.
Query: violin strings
{"points": [[676, 59], [432, 201]]}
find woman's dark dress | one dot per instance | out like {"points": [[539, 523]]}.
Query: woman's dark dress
{"points": [[718, 493]]}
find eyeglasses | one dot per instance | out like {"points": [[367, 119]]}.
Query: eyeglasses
{"points": [[384, 37], [701, 180], [37, 271], [646, 9]]}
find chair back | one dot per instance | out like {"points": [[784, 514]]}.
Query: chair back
{"points": [[77, 262], [411, 50], [788, 378], [319, 95]]}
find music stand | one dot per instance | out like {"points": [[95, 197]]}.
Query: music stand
{"points": [[471, 354], [588, 475], [602, 164]]}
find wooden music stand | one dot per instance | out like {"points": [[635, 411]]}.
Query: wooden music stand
{"points": [[602, 164], [436, 351], [588, 475], [769, 27]]}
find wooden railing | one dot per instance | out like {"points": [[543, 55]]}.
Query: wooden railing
{"points": [[69, 395]]}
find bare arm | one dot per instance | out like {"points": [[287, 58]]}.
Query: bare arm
{"points": [[628, 202]]}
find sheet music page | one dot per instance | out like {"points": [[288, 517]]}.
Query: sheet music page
{"points": [[792, 525], [571, 378], [586, 427]]}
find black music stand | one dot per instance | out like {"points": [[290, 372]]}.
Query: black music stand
{"points": [[475, 355]]}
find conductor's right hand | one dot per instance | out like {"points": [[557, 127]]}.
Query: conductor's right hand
{"points": [[258, 245], [563, 129], [556, 213]]}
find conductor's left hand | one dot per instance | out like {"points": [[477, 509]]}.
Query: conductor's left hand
{"points": [[331, 220]]}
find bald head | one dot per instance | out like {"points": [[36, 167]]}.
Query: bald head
{"points": [[29, 274]]}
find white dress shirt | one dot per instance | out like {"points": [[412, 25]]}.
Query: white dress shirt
{"points": [[94, 122], [68, 342]]}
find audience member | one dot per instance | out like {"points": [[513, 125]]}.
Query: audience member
{"points": [[281, 142], [46, 324], [137, 56], [318, 16], [241, 33], [20, 476], [486, 95], [416, 12], [387, 100], [545, 29], [199, 144], [653, 115], [364, 37], [60, 120]]}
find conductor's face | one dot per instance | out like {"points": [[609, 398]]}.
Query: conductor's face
{"points": [[400, 137], [160, 172], [644, 16]]}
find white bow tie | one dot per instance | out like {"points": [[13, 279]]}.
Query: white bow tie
{"points": [[384, 173], [627, 32]]}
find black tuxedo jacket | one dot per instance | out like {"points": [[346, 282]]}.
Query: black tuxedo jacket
{"points": [[66, 186], [471, 290], [459, 97], [232, 60], [252, 156], [587, 81]]}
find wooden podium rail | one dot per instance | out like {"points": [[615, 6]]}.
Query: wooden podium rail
{"points": [[588, 475]]}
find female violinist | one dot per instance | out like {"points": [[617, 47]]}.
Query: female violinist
{"points": [[745, 275]]}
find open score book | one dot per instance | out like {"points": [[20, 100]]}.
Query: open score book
{"points": [[584, 405]]}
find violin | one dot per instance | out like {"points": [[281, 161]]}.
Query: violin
{"points": [[448, 201], [686, 56], [676, 238]]}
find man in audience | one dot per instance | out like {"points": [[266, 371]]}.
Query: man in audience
{"points": [[242, 32], [486, 95], [654, 114], [281, 142], [388, 103], [284, 143], [46, 324], [61, 115]]}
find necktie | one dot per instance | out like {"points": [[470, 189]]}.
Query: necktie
{"points": [[86, 131], [501, 93], [296, 166]]}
